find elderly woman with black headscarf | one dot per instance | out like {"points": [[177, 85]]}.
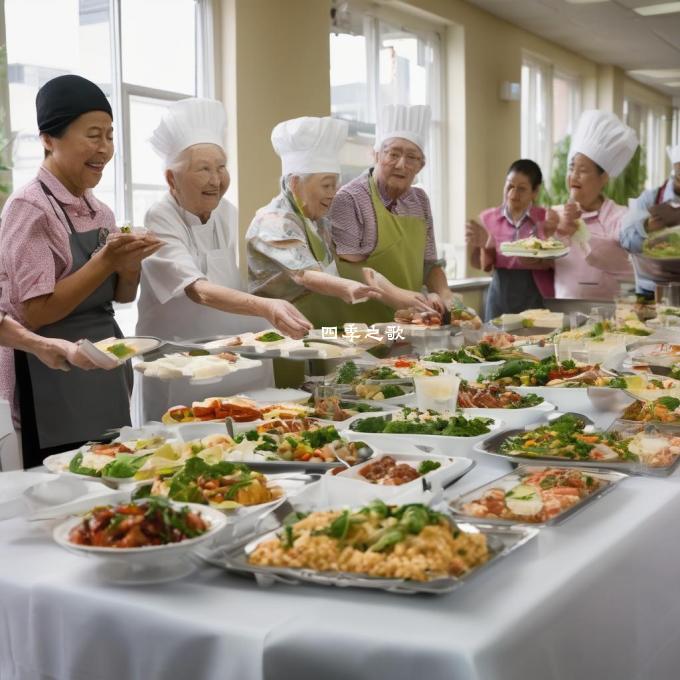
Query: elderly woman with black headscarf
{"points": [[63, 263]]}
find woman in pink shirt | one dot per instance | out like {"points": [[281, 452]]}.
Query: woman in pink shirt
{"points": [[518, 283], [62, 264]]}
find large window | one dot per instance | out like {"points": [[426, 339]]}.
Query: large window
{"points": [[140, 69], [551, 105], [140, 65], [376, 62], [650, 127]]}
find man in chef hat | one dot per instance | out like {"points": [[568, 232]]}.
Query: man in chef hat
{"points": [[191, 287], [653, 210], [601, 147], [381, 221]]}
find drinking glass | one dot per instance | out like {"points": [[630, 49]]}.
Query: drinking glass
{"points": [[437, 392]]}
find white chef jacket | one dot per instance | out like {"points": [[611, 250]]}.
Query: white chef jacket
{"points": [[192, 251]]}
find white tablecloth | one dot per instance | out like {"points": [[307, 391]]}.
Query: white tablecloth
{"points": [[595, 598]]}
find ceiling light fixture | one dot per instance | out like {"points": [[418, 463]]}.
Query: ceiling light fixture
{"points": [[657, 74], [661, 8]]}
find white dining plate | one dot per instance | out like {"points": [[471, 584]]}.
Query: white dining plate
{"points": [[147, 564], [103, 358]]}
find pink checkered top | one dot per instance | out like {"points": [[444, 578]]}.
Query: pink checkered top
{"points": [[34, 248]]}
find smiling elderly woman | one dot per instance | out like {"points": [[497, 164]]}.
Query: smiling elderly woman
{"points": [[63, 262], [191, 287], [290, 254]]}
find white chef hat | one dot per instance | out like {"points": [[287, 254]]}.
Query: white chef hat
{"points": [[188, 122], [603, 138], [408, 122], [308, 145], [673, 153]]}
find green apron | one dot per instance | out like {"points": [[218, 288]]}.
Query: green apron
{"points": [[321, 310], [399, 255]]}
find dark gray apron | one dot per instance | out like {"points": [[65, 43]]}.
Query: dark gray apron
{"points": [[76, 406], [512, 290]]}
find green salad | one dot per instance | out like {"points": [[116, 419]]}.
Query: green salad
{"points": [[271, 336], [120, 350], [668, 246], [565, 437], [476, 354], [413, 421]]}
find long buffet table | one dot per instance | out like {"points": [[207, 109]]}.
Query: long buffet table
{"points": [[595, 597]]}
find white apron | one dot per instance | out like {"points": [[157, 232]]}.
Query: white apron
{"points": [[181, 318]]}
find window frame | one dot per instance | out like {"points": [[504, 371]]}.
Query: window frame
{"points": [[122, 92], [550, 72], [652, 132], [528, 142]]}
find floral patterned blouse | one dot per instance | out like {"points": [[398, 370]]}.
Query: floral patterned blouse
{"points": [[277, 246]]}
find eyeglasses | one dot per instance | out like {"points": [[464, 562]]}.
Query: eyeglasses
{"points": [[393, 157]]}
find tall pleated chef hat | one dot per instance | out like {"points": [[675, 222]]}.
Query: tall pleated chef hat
{"points": [[673, 153], [408, 122], [309, 145], [603, 138], [188, 122]]}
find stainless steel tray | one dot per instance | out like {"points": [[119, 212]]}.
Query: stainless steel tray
{"points": [[502, 542], [249, 352], [609, 477], [491, 446]]}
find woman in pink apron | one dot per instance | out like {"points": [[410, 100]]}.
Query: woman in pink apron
{"points": [[590, 223]]}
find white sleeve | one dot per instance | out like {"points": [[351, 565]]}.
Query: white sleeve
{"points": [[172, 268]]}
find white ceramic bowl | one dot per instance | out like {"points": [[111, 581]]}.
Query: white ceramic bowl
{"points": [[443, 445], [362, 491], [147, 557], [564, 398], [512, 417], [538, 351]]}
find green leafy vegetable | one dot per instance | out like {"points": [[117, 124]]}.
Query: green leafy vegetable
{"points": [[269, 337], [123, 465], [671, 403], [427, 466], [347, 373], [389, 391], [77, 468], [120, 350], [453, 426]]}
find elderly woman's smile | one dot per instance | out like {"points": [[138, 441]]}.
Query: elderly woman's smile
{"points": [[199, 178]]}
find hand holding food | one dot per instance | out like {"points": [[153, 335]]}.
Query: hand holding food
{"points": [[57, 353], [286, 317], [124, 252], [569, 222]]}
